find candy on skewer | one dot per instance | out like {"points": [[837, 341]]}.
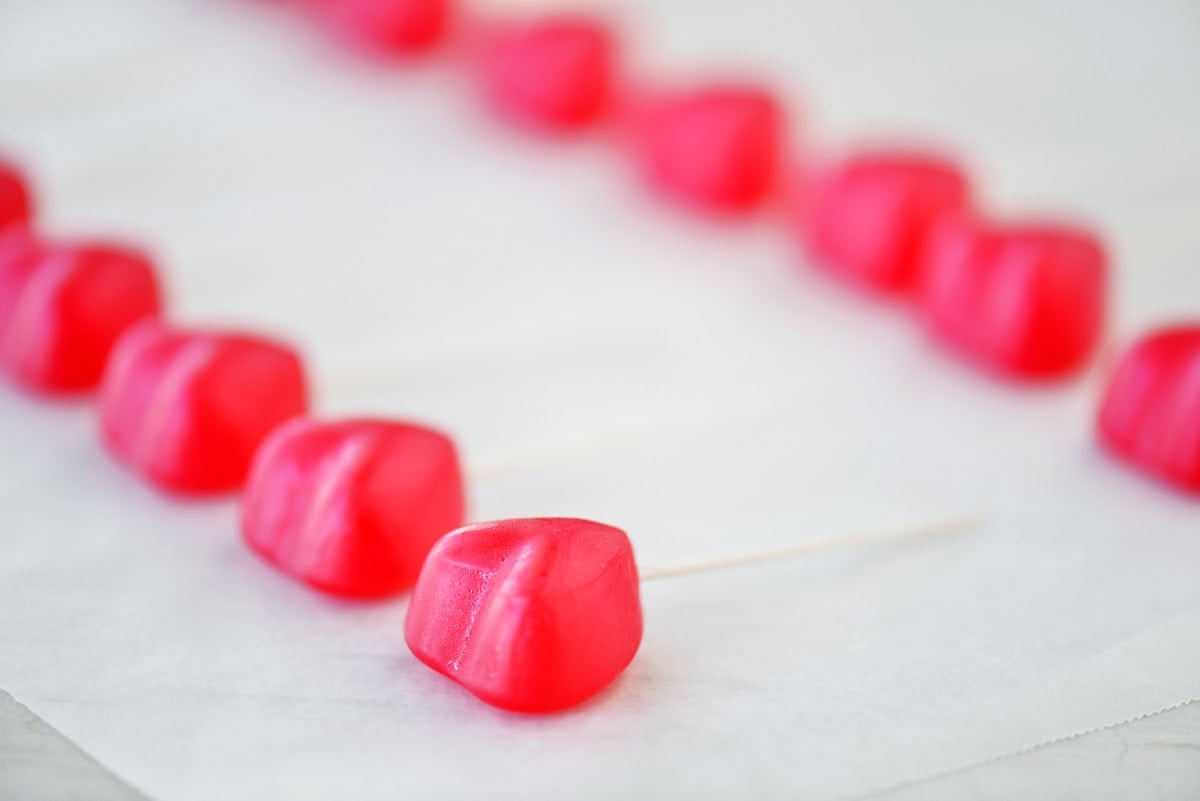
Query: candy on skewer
{"points": [[541, 614], [352, 507]]}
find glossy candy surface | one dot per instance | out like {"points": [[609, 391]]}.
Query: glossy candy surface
{"points": [[555, 73], [532, 615], [1025, 300], [352, 507], [63, 307], [16, 203], [868, 218], [187, 410], [389, 26], [1150, 415], [717, 148]]}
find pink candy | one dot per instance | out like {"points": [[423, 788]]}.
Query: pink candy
{"points": [[717, 148], [187, 410], [1150, 416], [532, 615], [352, 507], [1027, 300], [555, 73], [868, 218], [63, 307]]}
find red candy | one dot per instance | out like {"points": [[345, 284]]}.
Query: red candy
{"points": [[1025, 300], [352, 507], [187, 410], [62, 308], [20, 252], [1151, 411], [390, 26], [717, 148], [868, 218], [530, 615], [554, 73], [16, 205]]}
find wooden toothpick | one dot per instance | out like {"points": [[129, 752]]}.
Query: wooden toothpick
{"points": [[837, 542]]}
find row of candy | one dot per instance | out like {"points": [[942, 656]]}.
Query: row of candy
{"points": [[532, 614], [1026, 300]]}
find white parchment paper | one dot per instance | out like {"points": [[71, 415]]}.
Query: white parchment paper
{"points": [[596, 355]]}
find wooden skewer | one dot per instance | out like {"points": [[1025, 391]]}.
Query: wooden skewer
{"points": [[837, 542]]}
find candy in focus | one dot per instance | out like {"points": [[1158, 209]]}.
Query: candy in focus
{"points": [[533, 615]]}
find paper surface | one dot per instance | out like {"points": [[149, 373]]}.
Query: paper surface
{"points": [[598, 355]]}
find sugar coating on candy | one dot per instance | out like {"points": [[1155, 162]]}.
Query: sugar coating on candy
{"points": [[63, 307], [555, 72], [352, 507], [1027, 300], [533, 615], [1150, 414], [187, 409], [717, 148], [389, 26], [868, 218], [16, 202]]}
